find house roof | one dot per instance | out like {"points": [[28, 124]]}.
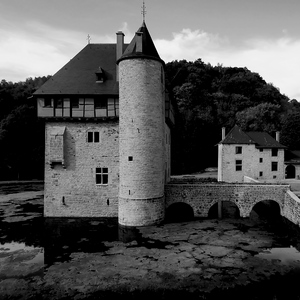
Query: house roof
{"points": [[141, 46], [292, 157], [237, 136], [261, 139], [78, 76]]}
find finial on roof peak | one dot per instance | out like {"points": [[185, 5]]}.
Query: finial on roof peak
{"points": [[144, 11]]}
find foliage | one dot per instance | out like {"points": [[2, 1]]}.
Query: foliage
{"points": [[209, 98], [290, 133], [21, 133]]}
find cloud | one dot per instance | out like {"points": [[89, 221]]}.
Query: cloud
{"points": [[39, 50], [276, 60]]}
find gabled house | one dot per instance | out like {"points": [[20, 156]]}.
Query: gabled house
{"points": [[80, 106], [253, 154]]}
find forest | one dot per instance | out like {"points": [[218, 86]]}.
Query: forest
{"points": [[206, 98]]}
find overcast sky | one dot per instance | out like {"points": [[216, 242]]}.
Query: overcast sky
{"points": [[38, 37]]}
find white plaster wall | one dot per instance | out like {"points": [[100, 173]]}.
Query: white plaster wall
{"points": [[251, 165]]}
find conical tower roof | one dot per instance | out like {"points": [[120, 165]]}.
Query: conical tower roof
{"points": [[141, 46]]}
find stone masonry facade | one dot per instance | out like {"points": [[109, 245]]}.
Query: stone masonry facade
{"points": [[142, 142], [201, 197], [70, 188]]}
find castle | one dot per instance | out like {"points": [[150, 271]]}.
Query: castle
{"points": [[108, 121]]}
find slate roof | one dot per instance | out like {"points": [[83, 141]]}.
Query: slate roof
{"points": [[237, 136], [292, 157], [141, 46], [78, 76], [261, 139]]}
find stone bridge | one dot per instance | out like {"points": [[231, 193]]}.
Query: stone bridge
{"points": [[202, 196]]}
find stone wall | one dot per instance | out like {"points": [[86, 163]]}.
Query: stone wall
{"points": [[72, 191], [201, 197], [142, 142], [291, 209]]}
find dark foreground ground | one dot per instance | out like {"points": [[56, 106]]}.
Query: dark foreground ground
{"points": [[256, 258]]}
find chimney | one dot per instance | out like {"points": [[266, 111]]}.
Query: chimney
{"points": [[223, 133], [119, 49], [277, 136], [139, 42]]}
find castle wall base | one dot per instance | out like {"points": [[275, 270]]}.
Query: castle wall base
{"points": [[141, 212]]}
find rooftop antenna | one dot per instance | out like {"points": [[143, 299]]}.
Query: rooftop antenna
{"points": [[144, 11], [88, 39]]}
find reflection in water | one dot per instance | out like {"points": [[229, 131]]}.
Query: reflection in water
{"points": [[68, 235], [284, 255], [128, 234]]}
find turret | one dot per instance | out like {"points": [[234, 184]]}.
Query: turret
{"points": [[141, 133]]}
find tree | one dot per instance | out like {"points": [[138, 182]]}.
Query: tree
{"points": [[263, 117], [290, 133]]}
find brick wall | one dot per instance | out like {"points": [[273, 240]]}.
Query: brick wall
{"points": [[201, 197], [142, 142], [73, 191]]}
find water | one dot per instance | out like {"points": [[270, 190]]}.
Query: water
{"points": [[229, 257]]}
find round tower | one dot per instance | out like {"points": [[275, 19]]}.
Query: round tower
{"points": [[141, 133]]}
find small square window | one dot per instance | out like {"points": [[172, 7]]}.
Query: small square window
{"points": [[238, 150], [102, 176], [238, 165], [93, 137], [130, 158], [75, 103], [90, 137], [274, 152], [274, 166], [59, 103], [261, 160], [100, 103], [261, 150], [260, 174], [47, 102], [96, 137]]}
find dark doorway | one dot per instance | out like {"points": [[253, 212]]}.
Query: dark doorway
{"points": [[179, 212], [290, 171]]}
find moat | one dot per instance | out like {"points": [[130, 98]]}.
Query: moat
{"points": [[69, 258]]}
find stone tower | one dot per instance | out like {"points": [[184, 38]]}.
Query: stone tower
{"points": [[141, 133]]}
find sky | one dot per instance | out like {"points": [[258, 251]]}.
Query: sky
{"points": [[38, 37]]}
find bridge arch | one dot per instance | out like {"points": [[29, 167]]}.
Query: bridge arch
{"points": [[179, 212], [229, 209], [266, 207]]}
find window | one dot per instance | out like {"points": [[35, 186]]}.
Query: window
{"points": [[101, 103], [75, 103], [261, 150], [238, 150], [274, 166], [93, 137], [59, 103], [47, 102], [274, 152], [238, 165], [260, 174], [102, 176], [260, 160]]}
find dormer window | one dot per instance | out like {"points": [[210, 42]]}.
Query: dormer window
{"points": [[99, 75]]}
